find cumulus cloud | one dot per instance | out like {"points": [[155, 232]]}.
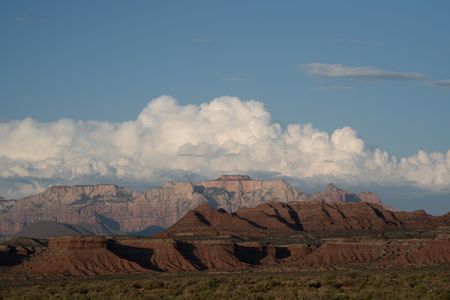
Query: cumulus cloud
{"points": [[338, 70], [225, 135]]}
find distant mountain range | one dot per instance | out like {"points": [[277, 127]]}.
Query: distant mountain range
{"points": [[110, 209]]}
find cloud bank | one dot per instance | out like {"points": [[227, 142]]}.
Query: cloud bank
{"points": [[226, 135]]}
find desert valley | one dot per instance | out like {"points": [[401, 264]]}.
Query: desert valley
{"points": [[224, 149], [228, 225]]}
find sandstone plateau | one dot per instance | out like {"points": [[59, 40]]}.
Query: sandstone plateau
{"points": [[110, 209], [86, 256]]}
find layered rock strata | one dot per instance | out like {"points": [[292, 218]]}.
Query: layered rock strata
{"points": [[110, 209]]}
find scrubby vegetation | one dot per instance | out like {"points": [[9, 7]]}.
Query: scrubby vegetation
{"points": [[429, 283]]}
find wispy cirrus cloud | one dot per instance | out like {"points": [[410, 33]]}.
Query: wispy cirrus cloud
{"points": [[443, 83], [365, 72], [331, 88]]}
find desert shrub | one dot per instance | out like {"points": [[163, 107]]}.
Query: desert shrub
{"points": [[83, 291], [137, 286], [337, 285], [213, 283], [357, 284], [153, 284], [315, 284], [341, 297]]}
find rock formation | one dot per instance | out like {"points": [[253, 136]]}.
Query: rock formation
{"points": [[206, 221], [106, 208], [5, 205], [15, 250], [110, 209], [78, 256], [296, 217], [333, 194], [98, 256], [271, 237]]}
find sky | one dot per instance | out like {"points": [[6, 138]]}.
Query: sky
{"points": [[143, 91]]}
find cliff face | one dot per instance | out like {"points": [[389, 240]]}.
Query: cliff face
{"points": [[85, 205], [106, 208], [333, 194], [5, 205], [83, 256], [233, 191]]}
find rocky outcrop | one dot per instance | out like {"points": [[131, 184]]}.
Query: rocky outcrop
{"points": [[296, 217], [326, 218], [78, 256], [206, 221], [333, 194], [14, 251]]}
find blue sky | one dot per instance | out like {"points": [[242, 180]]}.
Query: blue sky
{"points": [[379, 67], [104, 60]]}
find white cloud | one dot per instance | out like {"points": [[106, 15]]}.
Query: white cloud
{"points": [[224, 135], [338, 70]]}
